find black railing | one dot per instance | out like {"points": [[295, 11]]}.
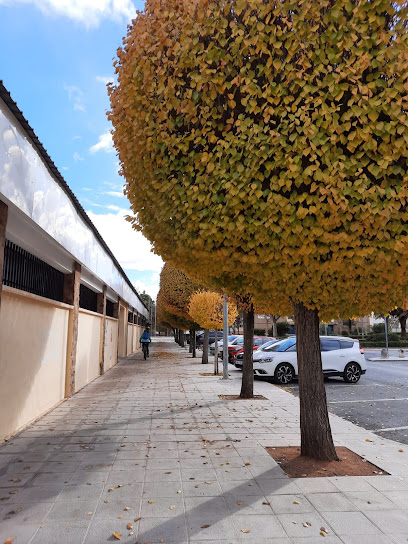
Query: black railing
{"points": [[109, 308], [87, 298], [24, 271]]}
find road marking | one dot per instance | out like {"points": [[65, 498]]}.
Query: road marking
{"points": [[368, 400], [391, 429]]}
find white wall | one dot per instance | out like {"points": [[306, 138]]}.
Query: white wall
{"points": [[88, 350]]}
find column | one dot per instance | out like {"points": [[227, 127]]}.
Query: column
{"points": [[101, 309], [72, 283], [3, 224]]}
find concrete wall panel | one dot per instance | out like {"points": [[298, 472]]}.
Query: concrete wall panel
{"points": [[89, 338]]}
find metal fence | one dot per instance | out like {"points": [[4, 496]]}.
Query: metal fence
{"points": [[24, 271], [87, 298]]}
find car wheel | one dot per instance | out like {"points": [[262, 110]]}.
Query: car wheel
{"points": [[352, 372], [284, 373]]}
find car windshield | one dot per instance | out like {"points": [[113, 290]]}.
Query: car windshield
{"points": [[238, 341], [232, 337], [270, 343], [283, 345]]}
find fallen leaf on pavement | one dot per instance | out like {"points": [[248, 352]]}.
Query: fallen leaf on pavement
{"points": [[129, 526], [400, 450], [368, 440], [296, 502], [240, 502], [205, 526], [266, 502], [137, 519], [10, 540], [209, 483], [245, 530], [150, 502], [118, 536]]}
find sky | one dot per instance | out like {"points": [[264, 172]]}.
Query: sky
{"points": [[56, 57]]}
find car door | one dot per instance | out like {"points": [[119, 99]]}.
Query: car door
{"points": [[330, 348]]}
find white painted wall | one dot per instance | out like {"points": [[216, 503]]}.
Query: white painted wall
{"points": [[89, 338]]}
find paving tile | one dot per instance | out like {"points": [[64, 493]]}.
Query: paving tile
{"points": [[201, 489], [248, 505], [72, 510], [386, 483], [23, 533], [80, 492], [217, 529], [399, 498], [316, 485], [331, 502], [260, 526], [118, 507], [100, 531], [207, 506], [155, 530], [278, 486], [293, 525], [164, 489], [287, 504], [350, 523], [162, 475], [162, 507], [373, 500], [63, 533], [16, 514], [390, 521], [352, 483], [366, 539]]}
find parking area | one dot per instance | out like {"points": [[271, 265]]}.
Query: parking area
{"points": [[379, 401]]}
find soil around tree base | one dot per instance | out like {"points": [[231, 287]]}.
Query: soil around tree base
{"points": [[296, 466], [237, 397]]}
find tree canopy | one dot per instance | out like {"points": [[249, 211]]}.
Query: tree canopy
{"points": [[270, 139], [206, 308]]}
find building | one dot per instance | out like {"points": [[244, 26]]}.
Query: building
{"points": [[67, 309]]}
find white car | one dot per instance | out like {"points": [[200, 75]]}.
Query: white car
{"points": [[341, 356]]}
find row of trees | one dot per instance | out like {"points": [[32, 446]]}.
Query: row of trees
{"points": [[264, 147]]}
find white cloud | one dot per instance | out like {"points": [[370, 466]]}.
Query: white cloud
{"points": [[104, 144], [75, 95], [88, 12], [114, 193], [130, 247], [77, 157], [112, 207], [104, 79], [65, 167], [149, 284]]}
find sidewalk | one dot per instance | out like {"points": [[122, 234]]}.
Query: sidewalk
{"points": [[153, 440]]}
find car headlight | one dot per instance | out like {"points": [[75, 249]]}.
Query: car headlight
{"points": [[268, 360]]}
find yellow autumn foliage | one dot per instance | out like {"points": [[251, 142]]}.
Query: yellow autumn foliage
{"points": [[206, 308], [265, 145]]}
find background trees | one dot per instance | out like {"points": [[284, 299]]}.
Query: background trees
{"points": [[270, 140], [206, 308]]}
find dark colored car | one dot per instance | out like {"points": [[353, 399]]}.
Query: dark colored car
{"points": [[200, 338]]}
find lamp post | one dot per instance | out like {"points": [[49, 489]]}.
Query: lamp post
{"points": [[225, 339]]}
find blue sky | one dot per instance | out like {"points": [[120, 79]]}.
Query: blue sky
{"points": [[55, 59]]}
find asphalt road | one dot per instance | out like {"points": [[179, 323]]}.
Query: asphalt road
{"points": [[379, 401]]}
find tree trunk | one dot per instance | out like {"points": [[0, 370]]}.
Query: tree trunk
{"points": [[216, 353], [193, 343], [181, 338], [205, 347], [247, 385], [315, 431], [275, 327], [190, 345], [403, 323]]}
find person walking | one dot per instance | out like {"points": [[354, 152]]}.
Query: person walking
{"points": [[145, 340]]}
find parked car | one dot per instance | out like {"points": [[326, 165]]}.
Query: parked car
{"points": [[341, 356], [200, 338], [238, 346], [239, 358], [231, 339]]}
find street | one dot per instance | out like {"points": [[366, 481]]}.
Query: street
{"points": [[379, 401]]}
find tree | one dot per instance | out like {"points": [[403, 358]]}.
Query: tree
{"points": [[176, 289], [264, 147], [206, 308], [402, 316]]}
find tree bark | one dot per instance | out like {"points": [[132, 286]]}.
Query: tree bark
{"points": [[247, 385], [275, 327], [204, 360], [216, 353], [403, 323], [190, 345], [181, 338], [193, 343], [315, 431]]}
